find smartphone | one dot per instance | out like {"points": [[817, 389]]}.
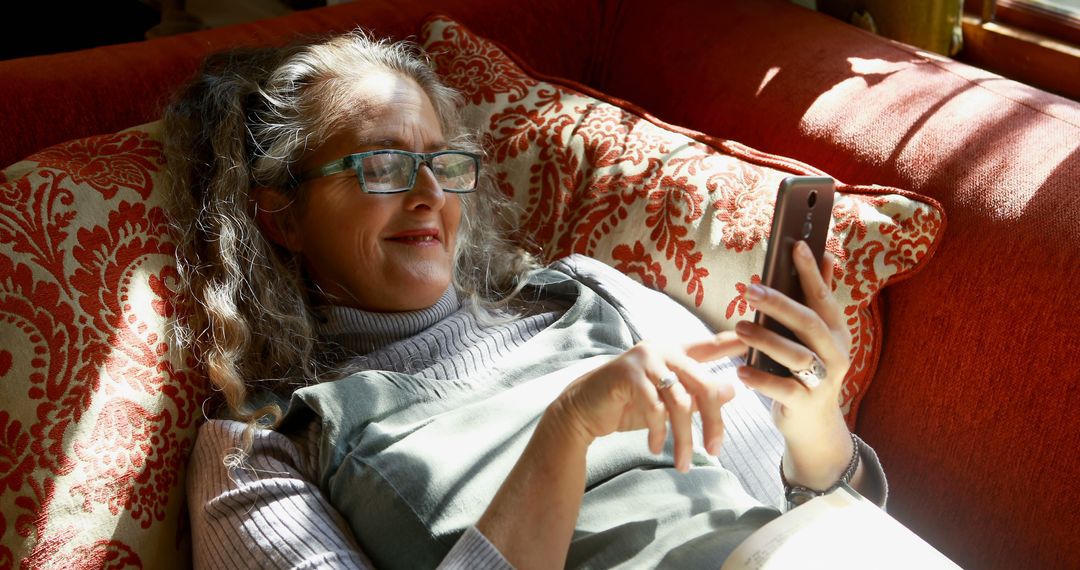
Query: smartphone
{"points": [[803, 212]]}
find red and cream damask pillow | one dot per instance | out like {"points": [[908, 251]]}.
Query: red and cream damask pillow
{"points": [[96, 412], [679, 211]]}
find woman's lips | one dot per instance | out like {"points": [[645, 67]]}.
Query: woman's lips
{"points": [[420, 237]]}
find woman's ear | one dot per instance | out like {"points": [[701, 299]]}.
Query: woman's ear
{"points": [[274, 214]]}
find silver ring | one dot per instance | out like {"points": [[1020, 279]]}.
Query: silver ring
{"points": [[813, 374], [666, 381]]}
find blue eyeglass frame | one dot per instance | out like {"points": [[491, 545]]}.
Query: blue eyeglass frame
{"points": [[354, 161]]}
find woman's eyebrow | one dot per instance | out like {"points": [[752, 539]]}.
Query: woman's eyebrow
{"points": [[400, 144]]}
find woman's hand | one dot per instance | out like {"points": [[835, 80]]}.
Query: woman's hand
{"points": [[531, 519], [623, 395], [818, 444]]}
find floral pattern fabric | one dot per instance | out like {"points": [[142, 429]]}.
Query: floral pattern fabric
{"points": [[679, 211], [98, 411]]}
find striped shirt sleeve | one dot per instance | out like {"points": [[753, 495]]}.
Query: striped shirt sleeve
{"points": [[268, 512]]}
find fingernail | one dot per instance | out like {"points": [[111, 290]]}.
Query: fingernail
{"points": [[803, 249], [714, 447], [743, 372], [742, 328], [755, 293]]}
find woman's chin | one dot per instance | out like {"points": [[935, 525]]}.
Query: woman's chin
{"points": [[421, 287]]}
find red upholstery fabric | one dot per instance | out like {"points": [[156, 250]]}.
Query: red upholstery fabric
{"points": [[54, 98], [973, 406]]}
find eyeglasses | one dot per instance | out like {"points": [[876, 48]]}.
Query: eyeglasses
{"points": [[392, 171]]}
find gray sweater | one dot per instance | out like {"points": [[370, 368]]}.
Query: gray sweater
{"points": [[277, 510]]}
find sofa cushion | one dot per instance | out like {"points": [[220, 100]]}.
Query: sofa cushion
{"points": [[679, 211], [97, 411]]}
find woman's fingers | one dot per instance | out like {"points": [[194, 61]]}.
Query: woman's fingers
{"points": [[784, 351], [668, 384], [709, 395], [828, 261], [658, 387], [804, 321], [715, 347], [655, 416], [693, 390], [781, 390], [678, 403], [817, 291]]}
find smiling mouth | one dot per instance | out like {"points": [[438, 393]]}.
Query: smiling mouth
{"points": [[421, 238]]}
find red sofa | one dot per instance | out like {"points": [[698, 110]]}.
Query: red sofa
{"points": [[972, 408]]}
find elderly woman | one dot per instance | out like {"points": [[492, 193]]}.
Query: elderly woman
{"points": [[399, 385]]}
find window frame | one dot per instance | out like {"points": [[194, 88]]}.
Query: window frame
{"points": [[1023, 42], [1037, 19]]}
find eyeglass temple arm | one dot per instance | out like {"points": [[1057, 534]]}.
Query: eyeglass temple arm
{"points": [[342, 165]]}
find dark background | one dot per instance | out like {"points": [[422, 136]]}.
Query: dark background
{"points": [[35, 27]]}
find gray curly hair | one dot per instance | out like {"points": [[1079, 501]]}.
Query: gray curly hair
{"points": [[241, 123]]}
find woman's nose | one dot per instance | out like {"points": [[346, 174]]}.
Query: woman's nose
{"points": [[426, 191]]}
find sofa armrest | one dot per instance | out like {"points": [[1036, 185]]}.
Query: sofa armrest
{"points": [[794, 82]]}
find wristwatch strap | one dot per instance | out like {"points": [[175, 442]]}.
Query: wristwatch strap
{"points": [[798, 494]]}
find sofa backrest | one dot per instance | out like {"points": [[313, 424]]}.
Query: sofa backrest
{"points": [[53, 98]]}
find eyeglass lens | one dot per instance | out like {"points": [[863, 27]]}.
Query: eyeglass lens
{"points": [[393, 172]]}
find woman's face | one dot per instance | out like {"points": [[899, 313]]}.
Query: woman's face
{"points": [[390, 252]]}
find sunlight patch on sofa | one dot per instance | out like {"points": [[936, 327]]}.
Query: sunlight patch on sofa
{"points": [[769, 75]]}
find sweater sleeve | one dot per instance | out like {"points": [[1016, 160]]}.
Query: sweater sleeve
{"points": [[267, 511]]}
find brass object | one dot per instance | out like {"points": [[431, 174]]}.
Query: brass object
{"points": [[933, 25]]}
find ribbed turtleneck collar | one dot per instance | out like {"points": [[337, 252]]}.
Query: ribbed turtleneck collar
{"points": [[365, 331]]}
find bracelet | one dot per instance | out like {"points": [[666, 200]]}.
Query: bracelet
{"points": [[797, 494]]}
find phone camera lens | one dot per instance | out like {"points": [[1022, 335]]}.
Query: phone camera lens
{"points": [[812, 198]]}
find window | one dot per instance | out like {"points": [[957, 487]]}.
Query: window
{"points": [[1033, 41], [1053, 18]]}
